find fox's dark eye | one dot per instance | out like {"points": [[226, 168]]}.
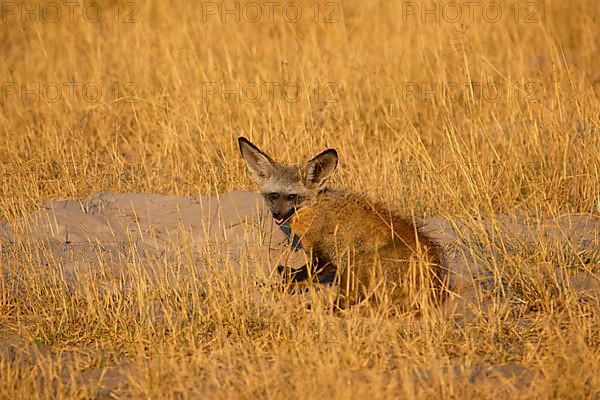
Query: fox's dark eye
{"points": [[292, 197], [273, 196]]}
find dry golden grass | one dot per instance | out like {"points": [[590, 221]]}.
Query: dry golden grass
{"points": [[470, 120]]}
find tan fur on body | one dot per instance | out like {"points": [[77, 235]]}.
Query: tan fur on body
{"points": [[375, 254], [379, 255]]}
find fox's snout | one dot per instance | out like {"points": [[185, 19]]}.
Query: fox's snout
{"points": [[281, 210], [279, 218]]}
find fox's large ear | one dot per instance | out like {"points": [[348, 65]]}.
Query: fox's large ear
{"points": [[318, 170], [260, 165]]}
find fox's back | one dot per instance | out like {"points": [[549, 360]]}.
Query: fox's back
{"points": [[341, 220]]}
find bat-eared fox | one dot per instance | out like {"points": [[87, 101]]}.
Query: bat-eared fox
{"points": [[371, 253]]}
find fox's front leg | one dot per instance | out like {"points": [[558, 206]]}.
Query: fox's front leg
{"points": [[318, 271], [293, 274]]}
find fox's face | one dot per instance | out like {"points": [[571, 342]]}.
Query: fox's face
{"points": [[287, 189]]}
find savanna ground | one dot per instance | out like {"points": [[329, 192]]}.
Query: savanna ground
{"points": [[469, 118]]}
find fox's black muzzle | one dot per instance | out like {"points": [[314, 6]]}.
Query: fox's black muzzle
{"points": [[280, 218]]}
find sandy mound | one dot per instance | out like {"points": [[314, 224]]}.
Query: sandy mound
{"points": [[116, 230]]}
